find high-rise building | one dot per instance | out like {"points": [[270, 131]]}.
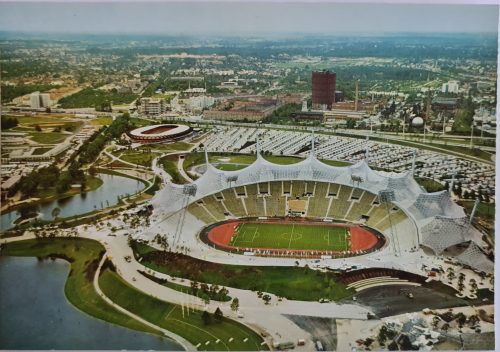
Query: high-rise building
{"points": [[35, 100], [151, 106], [44, 100], [450, 87], [323, 90], [38, 100]]}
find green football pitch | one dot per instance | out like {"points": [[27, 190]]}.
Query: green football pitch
{"points": [[291, 236]]}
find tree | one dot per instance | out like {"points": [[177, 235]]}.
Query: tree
{"points": [[451, 275], [382, 335], [218, 316], [393, 346], [435, 321], [206, 317], [92, 171], [55, 212], [266, 298], [27, 210], [235, 304]]}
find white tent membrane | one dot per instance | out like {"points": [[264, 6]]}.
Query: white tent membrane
{"points": [[440, 222], [474, 257]]}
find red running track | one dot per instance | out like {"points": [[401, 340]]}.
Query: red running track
{"points": [[361, 238]]}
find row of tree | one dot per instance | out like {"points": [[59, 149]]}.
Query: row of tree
{"points": [[9, 122]]}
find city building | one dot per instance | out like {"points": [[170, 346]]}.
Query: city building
{"points": [[450, 87], [340, 116], [39, 100], [44, 100], [201, 102], [323, 90], [243, 110], [35, 100], [151, 106]]}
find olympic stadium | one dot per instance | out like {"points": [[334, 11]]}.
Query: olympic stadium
{"points": [[159, 133], [388, 217]]}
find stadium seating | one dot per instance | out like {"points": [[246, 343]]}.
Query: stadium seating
{"points": [[377, 214], [215, 207], [287, 186], [298, 189], [309, 187], [201, 213], [341, 204], [264, 188], [275, 203], [361, 206], [240, 191], [233, 204], [328, 200], [318, 205]]}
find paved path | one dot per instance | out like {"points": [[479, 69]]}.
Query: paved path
{"points": [[179, 339]]}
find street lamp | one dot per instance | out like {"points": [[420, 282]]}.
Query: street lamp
{"points": [[471, 133]]}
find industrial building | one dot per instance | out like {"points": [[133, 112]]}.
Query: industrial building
{"points": [[243, 110], [323, 90]]}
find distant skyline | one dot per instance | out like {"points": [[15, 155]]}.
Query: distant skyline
{"points": [[244, 18]]}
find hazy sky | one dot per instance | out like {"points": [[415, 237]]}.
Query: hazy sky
{"points": [[237, 18]]}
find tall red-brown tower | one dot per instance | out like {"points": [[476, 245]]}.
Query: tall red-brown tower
{"points": [[323, 90]]}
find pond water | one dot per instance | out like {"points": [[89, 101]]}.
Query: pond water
{"points": [[105, 196], [36, 315]]}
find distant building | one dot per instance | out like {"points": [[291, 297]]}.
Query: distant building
{"points": [[35, 100], [323, 90], [450, 87], [340, 116], [201, 102], [150, 106], [339, 96], [308, 116], [44, 100], [38, 100], [243, 110], [442, 103]]}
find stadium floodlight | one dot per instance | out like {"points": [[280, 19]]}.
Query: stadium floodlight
{"points": [[386, 196], [190, 190], [356, 178], [232, 178]]}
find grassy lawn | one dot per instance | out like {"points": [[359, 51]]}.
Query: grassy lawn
{"points": [[231, 167], [205, 293], [169, 163], [486, 210], [84, 256], [46, 122], [429, 184], [169, 147], [40, 151], [89, 97], [291, 282], [233, 162], [48, 137], [291, 236], [170, 316], [91, 184], [102, 121], [336, 162], [136, 157]]}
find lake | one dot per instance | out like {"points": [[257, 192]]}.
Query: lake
{"points": [[105, 196], [36, 315]]}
